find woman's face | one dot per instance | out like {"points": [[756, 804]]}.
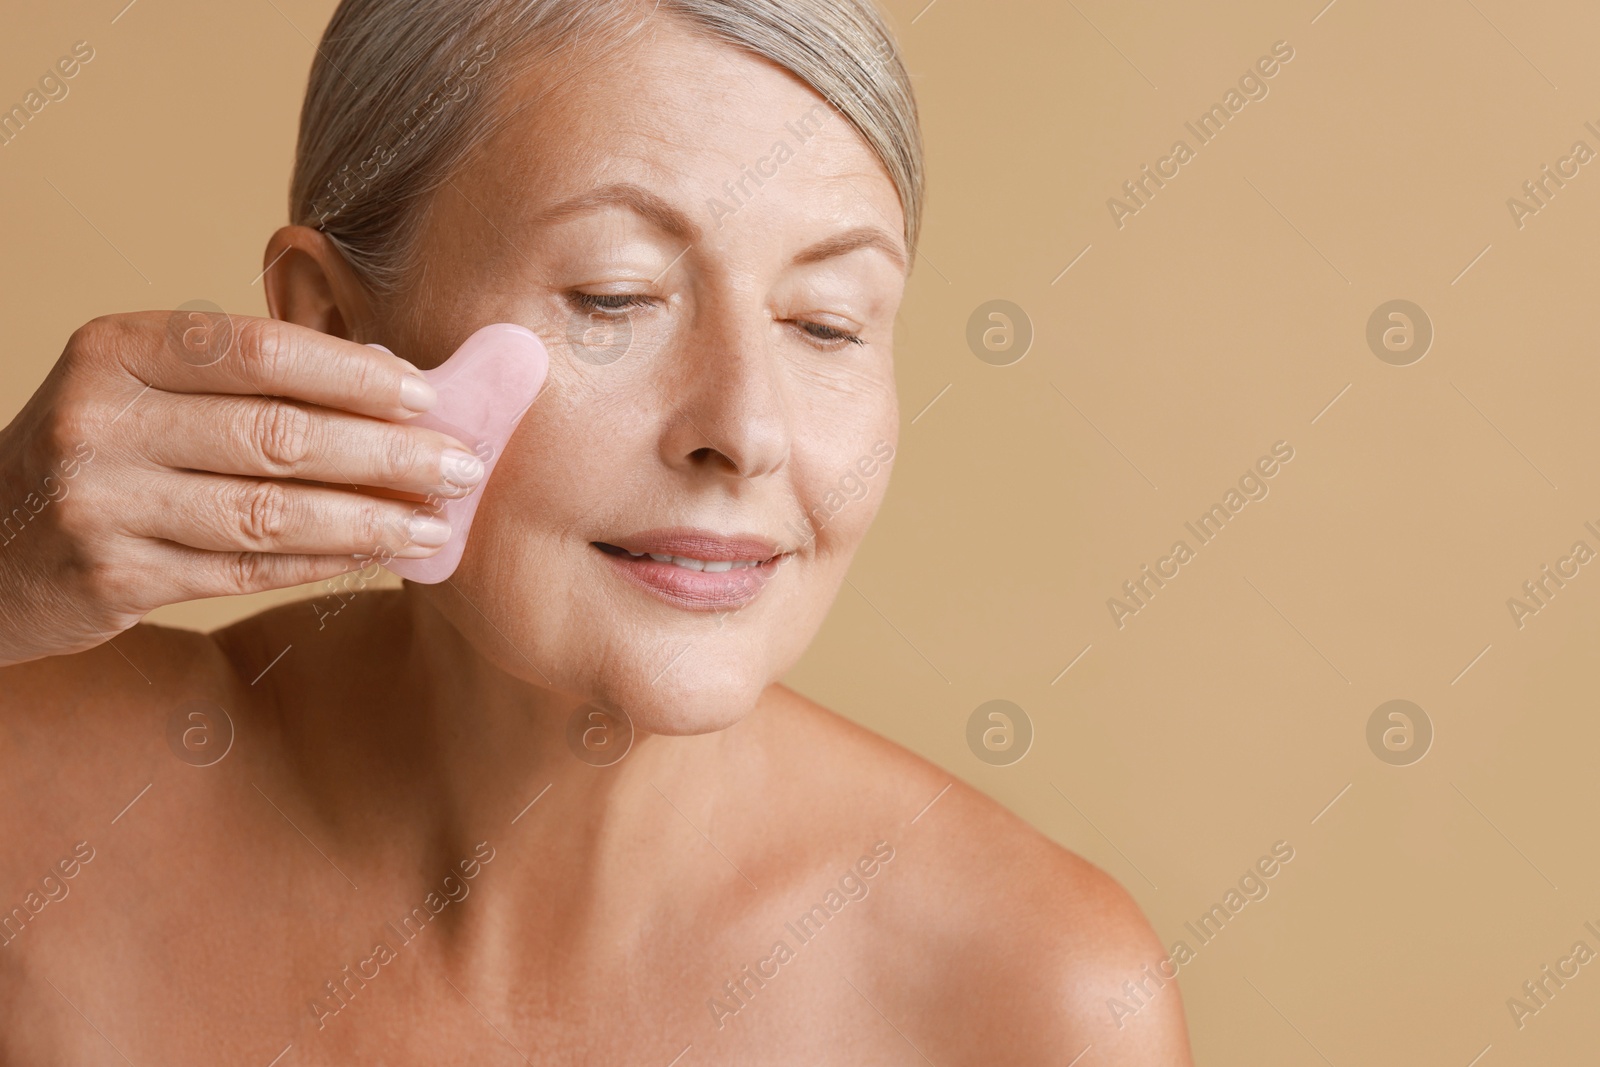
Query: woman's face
{"points": [[714, 259]]}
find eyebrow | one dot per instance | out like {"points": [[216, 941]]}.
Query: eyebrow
{"points": [[849, 241], [673, 222]]}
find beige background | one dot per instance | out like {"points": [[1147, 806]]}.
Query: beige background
{"points": [[1222, 318]]}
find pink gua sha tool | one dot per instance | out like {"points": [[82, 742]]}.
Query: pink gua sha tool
{"points": [[484, 388]]}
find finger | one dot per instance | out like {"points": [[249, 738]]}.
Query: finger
{"points": [[203, 352], [224, 514], [272, 438], [195, 574]]}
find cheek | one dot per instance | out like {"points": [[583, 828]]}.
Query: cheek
{"points": [[569, 462], [532, 596], [847, 450]]}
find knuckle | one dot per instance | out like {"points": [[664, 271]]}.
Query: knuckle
{"points": [[69, 517], [72, 422], [263, 513], [265, 350], [380, 528], [375, 526], [105, 343], [367, 375], [108, 586], [398, 457], [88, 338], [282, 433], [245, 572], [99, 334]]}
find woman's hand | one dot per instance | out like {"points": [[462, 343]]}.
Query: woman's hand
{"points": [[173, 456]]}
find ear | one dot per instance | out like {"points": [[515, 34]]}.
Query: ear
{"points": [[308, 282]]}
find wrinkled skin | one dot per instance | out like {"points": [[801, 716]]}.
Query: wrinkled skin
{"points": [[401, 740]]}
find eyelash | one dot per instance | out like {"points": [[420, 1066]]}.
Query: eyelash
{"points": [[829, 337]]}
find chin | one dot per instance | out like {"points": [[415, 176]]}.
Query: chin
{"points": [[704, 691], [569, 621]]}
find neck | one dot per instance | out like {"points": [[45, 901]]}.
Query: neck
{"points": [[425, 748]]}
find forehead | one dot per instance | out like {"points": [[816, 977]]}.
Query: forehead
{"points": [[709, 126]]}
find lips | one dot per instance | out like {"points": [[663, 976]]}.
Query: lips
{"points": [[695, 569]]}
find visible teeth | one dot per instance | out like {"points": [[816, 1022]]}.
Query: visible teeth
{"points": [[716, 566]]}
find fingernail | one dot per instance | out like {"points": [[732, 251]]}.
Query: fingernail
{"points": [[458, 467], [416, 394], [427, 530]]}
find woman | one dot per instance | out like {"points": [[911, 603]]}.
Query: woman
{"points": [[556, 809]]}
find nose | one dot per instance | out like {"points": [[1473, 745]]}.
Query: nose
{"points": [[728, 409]]}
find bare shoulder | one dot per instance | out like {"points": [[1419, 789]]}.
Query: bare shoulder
{"points": [[60, 698], [1004, 943], [76, 731]]}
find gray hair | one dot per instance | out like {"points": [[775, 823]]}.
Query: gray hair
{"points": [[402, 90]]}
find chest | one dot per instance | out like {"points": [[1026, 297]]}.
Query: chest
{"points": [[255, 956]]}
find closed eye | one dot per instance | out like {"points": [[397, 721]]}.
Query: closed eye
{"points": [[821, 334], [604, 302], [830, 334]]}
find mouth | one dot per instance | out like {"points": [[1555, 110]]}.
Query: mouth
{"points": [[696, 569]]}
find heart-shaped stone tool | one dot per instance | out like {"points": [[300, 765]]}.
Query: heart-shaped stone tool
{"points": [[484, 389]]}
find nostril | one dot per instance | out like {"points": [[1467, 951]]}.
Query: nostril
{"points": [[709, 456]]}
